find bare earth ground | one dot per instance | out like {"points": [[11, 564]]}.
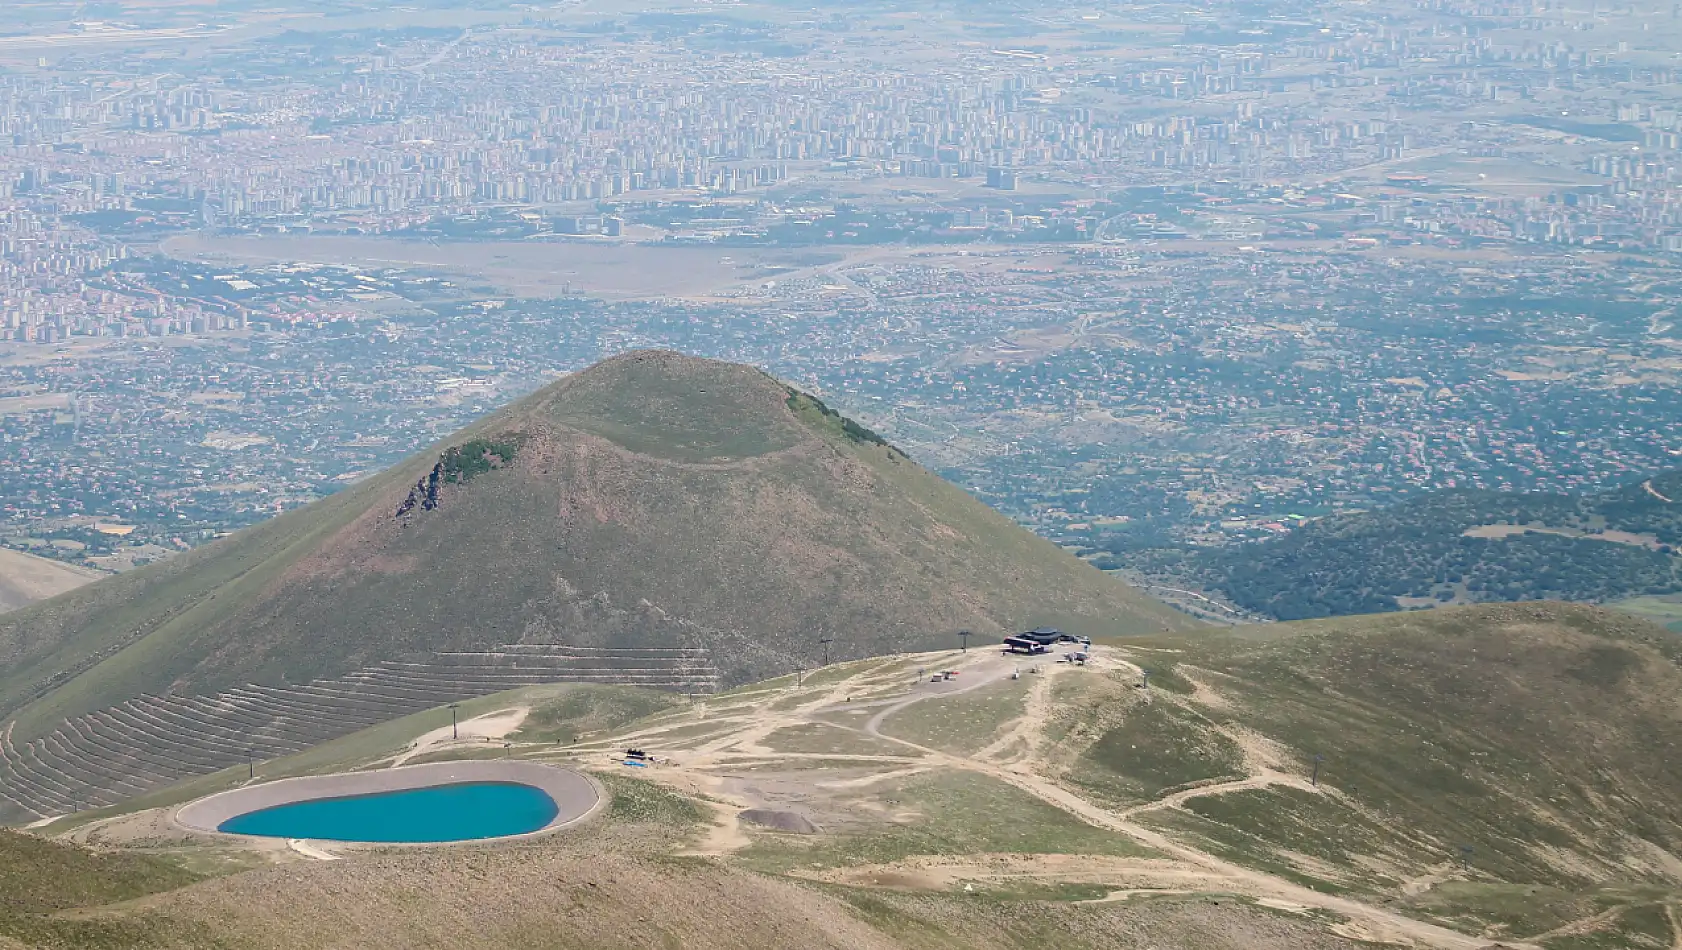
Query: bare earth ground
{"points": [[521, 268], [473, 731], [742, 768], [25, 578], [628, 270], [953, 797]]}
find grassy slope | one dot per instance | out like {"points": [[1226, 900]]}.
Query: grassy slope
{"points": [[609, 885], [580, 709], [1544, 737], [964, 723], [40, 879], [753, 555], [557, 713], [26, 578], [603, 895], [158, 612], [1665, 609], [1156, 749], [949, 814], [1540, 734], [38, 876]]}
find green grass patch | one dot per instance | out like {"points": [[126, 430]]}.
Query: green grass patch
{"points": [[1166, 676], [682, 736], [904, 924], [1156, 748], [961, 921], [825, 764], [818, 738], [791, 700], [1318, 826], [964, 723], [1644, 927], [127, 932], [955, 814], [358, 750], [585, 707], [657, 410], [1237, 846], [1030, 890], [644, 802], [38, 876], [1517, 910], [490, 750], [837, 672]]}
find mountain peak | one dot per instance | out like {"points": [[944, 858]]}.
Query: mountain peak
{"points": [[672, 406], [655, 506]]}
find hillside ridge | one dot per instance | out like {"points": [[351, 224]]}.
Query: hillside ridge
{"points": [[1463, 779], [652, 501]]}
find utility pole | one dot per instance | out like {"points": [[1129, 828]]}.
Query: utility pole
{"points": [[826, 641], [250, 764], [455, 733], [964, 636], [1315, 781]]}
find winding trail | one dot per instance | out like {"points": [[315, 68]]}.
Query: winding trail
{"points": [[1251, 783], [1036, 707], [977, 670], [491, 725], [1382, 924]]}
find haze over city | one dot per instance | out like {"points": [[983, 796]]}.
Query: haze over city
{"points": [[947, 474], [1189, 270]]}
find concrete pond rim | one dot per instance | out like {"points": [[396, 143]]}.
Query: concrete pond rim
{"points": [[577, 796]]}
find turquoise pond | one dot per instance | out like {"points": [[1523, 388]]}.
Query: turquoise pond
{"points": [[460, 812]]}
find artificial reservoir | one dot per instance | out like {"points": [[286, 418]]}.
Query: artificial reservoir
{"points": [[458, 812]]}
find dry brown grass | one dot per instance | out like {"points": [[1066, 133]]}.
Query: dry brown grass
{"points": [[570, 899], [25, 578], [658, 500]]}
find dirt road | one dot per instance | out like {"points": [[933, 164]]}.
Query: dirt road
{"points": [[1012, 757], [1377, 923]]}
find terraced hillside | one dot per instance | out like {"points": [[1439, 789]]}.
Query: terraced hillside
{"points": [[1466, 779], [148, 742], [653, 502]]}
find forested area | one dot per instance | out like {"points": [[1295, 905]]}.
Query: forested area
{"points": [[1601, 547]]}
